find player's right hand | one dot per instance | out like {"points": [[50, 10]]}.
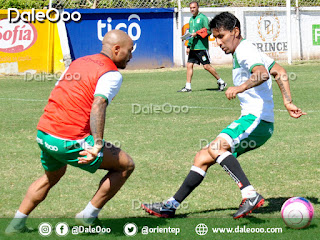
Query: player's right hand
{"points": [[188, 51], [232, 92], [89, 154]]}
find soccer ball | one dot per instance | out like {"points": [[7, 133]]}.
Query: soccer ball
{"points": [[297, 212]]}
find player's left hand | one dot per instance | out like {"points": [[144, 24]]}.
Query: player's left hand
{"points": [[232, 92], [294, 111], [193, 34], [90, 155]]}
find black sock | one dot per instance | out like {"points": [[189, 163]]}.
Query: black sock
{"points": [[192, 181], [231, 165]]}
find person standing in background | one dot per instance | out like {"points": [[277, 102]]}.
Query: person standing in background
{"points": [[198, 45]]}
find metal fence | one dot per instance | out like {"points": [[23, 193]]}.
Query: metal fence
{"points": [[114, 3], [38, 4], [174, 3]]}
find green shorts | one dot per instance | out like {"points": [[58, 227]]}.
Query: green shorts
{"points": [[247, 133], [57, 152]]}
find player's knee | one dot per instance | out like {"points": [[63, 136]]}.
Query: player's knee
{"points": [[202, 160], [55, 176], [218, 147], [214, 153], [207, 67], [189, 65], [129, 166]]}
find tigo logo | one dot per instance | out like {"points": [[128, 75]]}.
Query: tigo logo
{"points": [[16, 37], [132, 28]]}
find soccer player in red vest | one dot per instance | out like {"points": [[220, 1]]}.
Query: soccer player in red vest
{"points": [[70, 132]]}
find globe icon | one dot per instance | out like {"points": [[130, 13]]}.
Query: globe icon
{"points": [[201, 229]]}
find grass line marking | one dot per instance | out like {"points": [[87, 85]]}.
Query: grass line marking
{"points": [[192, 107]]}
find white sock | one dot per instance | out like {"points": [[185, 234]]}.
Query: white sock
{"points": [[20, 215], [220, 81], [19, 220], [91, 211], [188, 85], [172, 203], [248, 192]]}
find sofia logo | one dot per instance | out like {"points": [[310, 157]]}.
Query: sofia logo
{"points": [[16, 37]]}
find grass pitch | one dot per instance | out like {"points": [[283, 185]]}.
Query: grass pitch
{"points": [[163, 146]]}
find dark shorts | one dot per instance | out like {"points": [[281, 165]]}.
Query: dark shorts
{"points": [[199, 56]]}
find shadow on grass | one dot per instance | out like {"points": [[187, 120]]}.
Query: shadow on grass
{"points": [[207, 89], [273, 205]]}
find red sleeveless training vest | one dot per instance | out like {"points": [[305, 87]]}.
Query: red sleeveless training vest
{"points": [[67, 114]]}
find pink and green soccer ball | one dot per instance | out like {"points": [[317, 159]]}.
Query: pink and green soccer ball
{"points": [[297, 212]]}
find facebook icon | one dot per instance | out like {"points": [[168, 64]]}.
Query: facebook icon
{"points": [[62, 229]]}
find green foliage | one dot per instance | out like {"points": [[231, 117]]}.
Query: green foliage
{"points": [[23, 4]]}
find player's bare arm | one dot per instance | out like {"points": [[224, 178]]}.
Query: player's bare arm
{"points": [[97, 120], [258, 76], [281, 77]]}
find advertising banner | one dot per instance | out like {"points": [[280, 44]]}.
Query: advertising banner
{"points": [[27, 45], [266, 28], [310, 33], [150, 29], [268, 32]]}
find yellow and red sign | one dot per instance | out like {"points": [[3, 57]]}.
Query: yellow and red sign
{"points": [[29, 46]]}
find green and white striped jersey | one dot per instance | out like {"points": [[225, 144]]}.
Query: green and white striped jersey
{"points": [[258, 100]]}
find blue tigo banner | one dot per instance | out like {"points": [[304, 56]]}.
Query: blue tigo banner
{"points": [[150, 29]]}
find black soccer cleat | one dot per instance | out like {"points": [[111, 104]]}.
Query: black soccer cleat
{"points": [[222, 86], [248, 205], [184, 89], [159, 210]]}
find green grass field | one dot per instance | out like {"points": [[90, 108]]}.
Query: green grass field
{"points": [[163, 146]]}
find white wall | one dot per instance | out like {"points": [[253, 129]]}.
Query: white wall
{"points": [[266, 27]]}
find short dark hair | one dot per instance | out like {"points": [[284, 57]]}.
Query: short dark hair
{"points": [[225, 20], [194, 2]]}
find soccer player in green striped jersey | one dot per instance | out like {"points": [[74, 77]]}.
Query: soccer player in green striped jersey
{"points": [[251, 72]]}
